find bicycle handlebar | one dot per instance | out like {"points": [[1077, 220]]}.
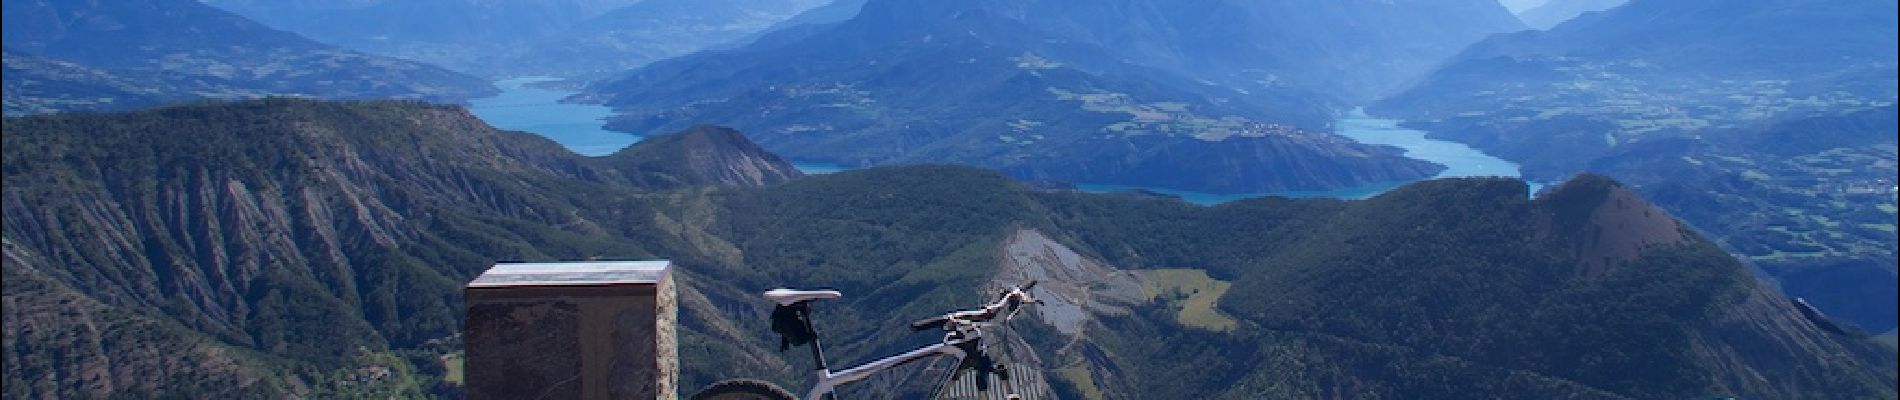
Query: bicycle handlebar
{"points": [[1010, 300], [929, 323]]}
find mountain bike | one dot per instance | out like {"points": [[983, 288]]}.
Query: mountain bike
{"points": [[962, 341]]}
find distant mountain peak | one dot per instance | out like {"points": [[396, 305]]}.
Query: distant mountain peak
{"points": [[1605, 221], [1557, 11], [702, 155]]}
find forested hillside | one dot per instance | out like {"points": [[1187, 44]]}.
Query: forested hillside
{"points": [[277, 247]]}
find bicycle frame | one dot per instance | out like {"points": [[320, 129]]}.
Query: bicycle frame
{"points": [[829, 381], [960, 332]]}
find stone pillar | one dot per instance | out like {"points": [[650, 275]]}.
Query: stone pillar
{"points": [[572, 330]]}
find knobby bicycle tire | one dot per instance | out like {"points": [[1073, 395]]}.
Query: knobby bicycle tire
{"points": [[743, 389]]}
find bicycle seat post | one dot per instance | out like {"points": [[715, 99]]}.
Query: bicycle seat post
{"points": [[817, 342]]}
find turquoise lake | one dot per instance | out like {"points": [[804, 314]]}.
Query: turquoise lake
{"points": [[540, 111], [578, 126]]}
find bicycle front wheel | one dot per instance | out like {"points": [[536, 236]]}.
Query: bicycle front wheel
{"points": [[743, 389]]}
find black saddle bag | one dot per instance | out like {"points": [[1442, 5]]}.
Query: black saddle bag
{"points": [[792, 327]]}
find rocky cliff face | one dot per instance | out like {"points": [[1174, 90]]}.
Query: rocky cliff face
{"points": [[69, 344], [301, 229]]}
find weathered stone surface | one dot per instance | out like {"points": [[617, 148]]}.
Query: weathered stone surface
{"points": [[574, 331]]}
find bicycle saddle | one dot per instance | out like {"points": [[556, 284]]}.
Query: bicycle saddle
{"points": [[787, 297]]}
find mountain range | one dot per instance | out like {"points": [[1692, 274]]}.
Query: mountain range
{"points": [[1767, 123], [250, 245], [113, 55], [1656, 69], [276, 247], [1226, 97]]}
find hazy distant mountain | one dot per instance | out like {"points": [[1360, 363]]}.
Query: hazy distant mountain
{"points": [[72, 54], [1352, 50], [1225, 97], [812, 20], [275, 11], [1557, 11], [648, 31], [274, 248], [473, 36], [1657, 68], [1519, 6], [1603, 89], [1361, 48], [385, 25], [365, 21], [565, 38]]}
